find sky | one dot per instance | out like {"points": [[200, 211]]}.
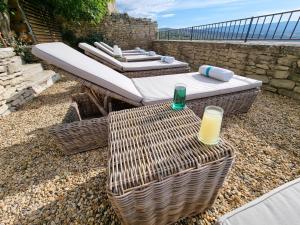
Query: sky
{"points": [[185, 13]]}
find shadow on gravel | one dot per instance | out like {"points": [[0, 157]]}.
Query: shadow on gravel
{"points": [[40, 160], [86, 204], [50, 99]]}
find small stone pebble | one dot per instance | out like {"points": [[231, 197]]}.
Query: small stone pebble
{"points": [[40, 185]]}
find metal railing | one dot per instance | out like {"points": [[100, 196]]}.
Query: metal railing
{"points": [[278, 26]]}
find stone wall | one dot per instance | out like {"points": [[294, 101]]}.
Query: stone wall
{"points": [[120, 29], [13, 92], [20, 83], [276, 64]]}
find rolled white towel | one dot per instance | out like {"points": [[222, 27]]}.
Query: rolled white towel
{"points": [[117, 51], [138, 48], [151, 53], [142, 51], [120, 52], [115, 48], [216, 72], [167, 59], [163, 58]]}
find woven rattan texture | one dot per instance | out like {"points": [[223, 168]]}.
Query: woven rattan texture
{"points": [[143, 73], [157, 72], [82, 135], [233, 103], [158, 170]]}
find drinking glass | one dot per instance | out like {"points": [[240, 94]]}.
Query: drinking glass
{"points": [[209, 133], [179, 97]]}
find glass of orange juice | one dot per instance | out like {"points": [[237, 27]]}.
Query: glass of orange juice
{"points": [[210, 128]]}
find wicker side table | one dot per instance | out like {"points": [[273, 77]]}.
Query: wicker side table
{"points": [[158, 170]]}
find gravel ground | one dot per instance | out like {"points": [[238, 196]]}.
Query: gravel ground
{"points": [[39, 185]]}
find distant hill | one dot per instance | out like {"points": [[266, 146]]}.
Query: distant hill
{"points": [[259, 30], [164, 29]]}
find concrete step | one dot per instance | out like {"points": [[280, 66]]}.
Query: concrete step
{"points": [[14, 64], [42, 80], [40, 76], [31, 69], [6, 53]]}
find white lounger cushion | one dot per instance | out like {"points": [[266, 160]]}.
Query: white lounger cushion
{"points": [[110, 50], [104, 49], [72, 61], [130, 66], [133, 51], [278, 207], [151, 65], [135, 58], [106, 45], [161, 88], [129, 57], [98, 53]]}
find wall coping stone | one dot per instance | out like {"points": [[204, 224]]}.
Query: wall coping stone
{"points": [[275, 63], [261, 43]]}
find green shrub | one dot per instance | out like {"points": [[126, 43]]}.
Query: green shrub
{"points": [[91, 38], [3, 6], [77, 10], [69, 37]]}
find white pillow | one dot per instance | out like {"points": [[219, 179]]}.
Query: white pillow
{"points": [[117, 51], [216, 72]]}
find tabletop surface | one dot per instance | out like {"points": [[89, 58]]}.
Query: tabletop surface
{"points": [[151, 143]]}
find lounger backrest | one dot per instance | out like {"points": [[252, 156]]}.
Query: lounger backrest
{"points": [[78, 64], [100, 54], [102, 48], [107, 46]]}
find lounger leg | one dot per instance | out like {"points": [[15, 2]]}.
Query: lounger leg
{"points": [[105, 103], [109, 104], [94, 99]]}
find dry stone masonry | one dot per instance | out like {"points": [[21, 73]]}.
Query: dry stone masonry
{"points": [[277, 65], [20, 83], [129, 32], [120, 29]]}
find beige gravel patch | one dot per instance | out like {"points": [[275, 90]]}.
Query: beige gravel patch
{"points": [[39, 185]]}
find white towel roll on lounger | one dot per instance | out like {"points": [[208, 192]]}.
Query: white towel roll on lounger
{"points": [[117, 51], [120, 53], [151, 53], [167, 59], [216, 72], [138, 48]]}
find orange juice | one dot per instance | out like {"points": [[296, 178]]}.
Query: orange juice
{"points": [[211, 125]]}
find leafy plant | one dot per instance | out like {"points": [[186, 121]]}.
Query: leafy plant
{"points": [[3, 6], [20, 47], [91, 38], [69, 37], [77, 10], [73, 41]]}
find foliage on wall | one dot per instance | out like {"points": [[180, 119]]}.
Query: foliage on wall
{"points": [[77, 10], [3, 6], [70, 38]]}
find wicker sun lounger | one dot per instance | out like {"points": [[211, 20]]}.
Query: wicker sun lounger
{"points": [[135, 69], [104, 86], [131, 51], [128, 57], [110, 50], [277, 207]]}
